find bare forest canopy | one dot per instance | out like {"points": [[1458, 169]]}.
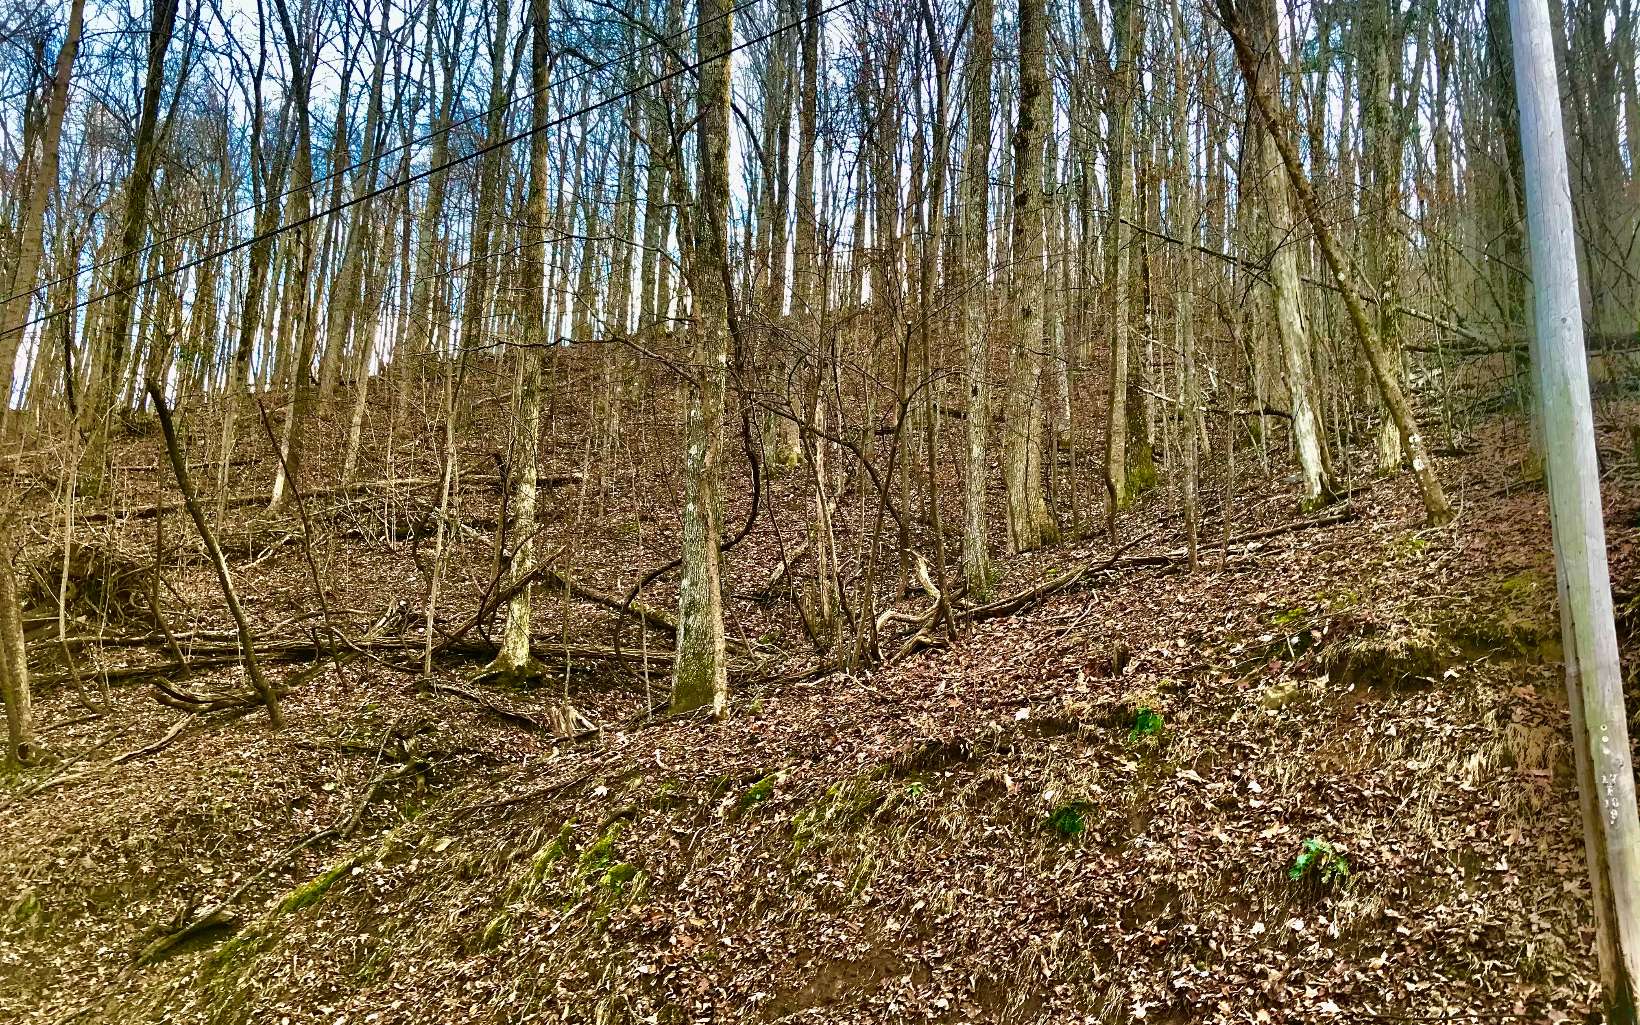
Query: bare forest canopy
{"points": [[558, 372]]}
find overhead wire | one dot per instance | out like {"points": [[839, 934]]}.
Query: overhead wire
{"points": [[400, 147], [411, 179]]}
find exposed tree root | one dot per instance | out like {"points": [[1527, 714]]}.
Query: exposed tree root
{"points": [[220, 918]]}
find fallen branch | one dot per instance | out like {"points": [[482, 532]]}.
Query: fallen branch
{"points": [[157, 746], [517, 715], [247, 641], [1070, 578], [218, 655], [174, 734], [650, 615], [148, 512]]}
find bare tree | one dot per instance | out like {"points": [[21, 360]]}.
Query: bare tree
{"points": [[1030, 523], [700, 677]]}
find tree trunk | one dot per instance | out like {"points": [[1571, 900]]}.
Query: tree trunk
{"points": [[108, 364], [700, 677], [513, 659], [1284, 281], [976, 193], [1119, 165], [1381, 360], [247, 640], [1030, 524], [31, 228], [1185, 300], [13, 653]]}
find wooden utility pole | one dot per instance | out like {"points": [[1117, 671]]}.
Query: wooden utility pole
{"points": [[1594, 680]]}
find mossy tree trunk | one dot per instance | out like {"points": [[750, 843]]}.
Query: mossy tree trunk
{"points": [[13, 655], [976, 554], [513, 660], [700, 677]]}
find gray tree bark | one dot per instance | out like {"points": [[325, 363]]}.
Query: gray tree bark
{"points": [[700, 677], [1030, 524]]}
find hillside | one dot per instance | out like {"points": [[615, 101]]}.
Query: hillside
{"points": [[1324, 778]]}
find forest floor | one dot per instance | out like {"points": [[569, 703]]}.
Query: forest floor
{"points": [[1323, 778]]}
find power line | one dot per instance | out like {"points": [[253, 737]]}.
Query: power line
{"points": [[590, 69], [419, 175]]}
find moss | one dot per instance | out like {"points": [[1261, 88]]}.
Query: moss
{"points": [[1514, 617], [555, 850], [235, 948], [600, 854], [668, 794], [529, 675], [619, 876], [845, 805], [760, 791], [1399, 658], [1338, 601], [1526, 582], [495, 930], [1290, 617], [981, 589], [225, 970], [1142, 475], [1409, 546], [27, 908], [1280, 694], [310, 892]]}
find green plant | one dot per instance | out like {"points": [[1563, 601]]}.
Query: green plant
{"points": [[1320, 861], [1069, 820], [1146, 723]]}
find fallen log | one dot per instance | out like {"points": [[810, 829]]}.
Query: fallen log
{"points": [[148, 512], [1070, 578], [650, 615], [217, 655], [921, 636]]}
